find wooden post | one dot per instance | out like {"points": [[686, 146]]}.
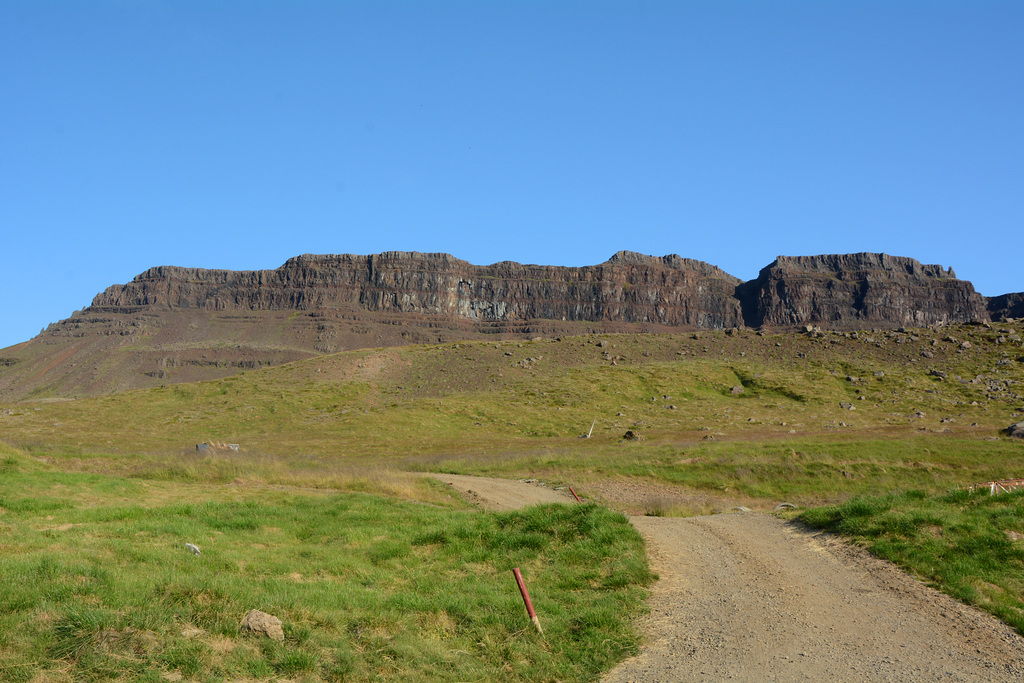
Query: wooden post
{"points": [[526, 600]]}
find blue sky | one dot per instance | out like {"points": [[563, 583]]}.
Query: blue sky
{"points": [[215, 134]]}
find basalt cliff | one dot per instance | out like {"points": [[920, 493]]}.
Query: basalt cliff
{"points": [[174, 324], [858, 290], [628, 288]]}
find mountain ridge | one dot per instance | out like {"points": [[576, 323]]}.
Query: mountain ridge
{"points": [[173, 324]]}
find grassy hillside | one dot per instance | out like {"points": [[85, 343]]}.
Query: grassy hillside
{"points": [[320, 517], [98, 584], [756, 416]]}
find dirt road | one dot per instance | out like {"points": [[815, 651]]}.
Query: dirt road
{"points": [[502, 494], [749, 597]]}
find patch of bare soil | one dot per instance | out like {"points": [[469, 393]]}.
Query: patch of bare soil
{"points": [[639, 496], [502, 494], [750, 597]]}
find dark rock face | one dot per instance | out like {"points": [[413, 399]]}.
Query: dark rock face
{"points": [[851, 290], [858, 290], [1006, 306], [629, 288]]}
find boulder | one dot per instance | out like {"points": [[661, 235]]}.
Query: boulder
{"points": [[1016, 430], [263, 624]]}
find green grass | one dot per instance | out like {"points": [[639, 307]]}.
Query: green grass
{"points": [[98, 585], [472, 397], [361, 421], [355, 420], [803, 471], [967, 544]]}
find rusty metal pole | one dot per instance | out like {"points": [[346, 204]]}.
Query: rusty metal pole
{"points": [[574, 495], [526, 600]]}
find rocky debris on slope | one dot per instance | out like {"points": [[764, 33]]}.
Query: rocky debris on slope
{"points": [[1016, 430], [858, 290]]}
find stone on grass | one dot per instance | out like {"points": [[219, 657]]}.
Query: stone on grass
{"points": [[738, 389], [263, 624], [1016, 430]]}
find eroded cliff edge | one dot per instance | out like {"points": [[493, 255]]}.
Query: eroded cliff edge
{"points": [[628, 288], [845, 291], [858, 290]]}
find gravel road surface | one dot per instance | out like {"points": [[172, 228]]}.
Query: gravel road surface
{"points": [[750, 597]]}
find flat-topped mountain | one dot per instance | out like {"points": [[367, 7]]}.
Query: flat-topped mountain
{"points": [[174, 324], [629, 288]]}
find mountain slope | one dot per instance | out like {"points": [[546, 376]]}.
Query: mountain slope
{"points": [[172, 324]]}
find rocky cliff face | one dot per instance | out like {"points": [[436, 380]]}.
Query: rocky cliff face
{"points": [[1006, 306], [858, 290], [846, 290], [628, 288]]}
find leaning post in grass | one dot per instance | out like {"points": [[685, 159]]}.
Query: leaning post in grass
{"points": [[526, 600], [574, 495]]}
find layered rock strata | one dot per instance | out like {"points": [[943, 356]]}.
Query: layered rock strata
{"points": [[628, 288], [858, 290], [1006, 306]]}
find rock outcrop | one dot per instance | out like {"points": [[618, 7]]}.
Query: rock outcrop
{"points": [[1006, 306], [858, 290], [628, 288]]}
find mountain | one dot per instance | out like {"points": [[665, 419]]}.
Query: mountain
{"points": [[865, 290], [173, 324], [629, 288]]}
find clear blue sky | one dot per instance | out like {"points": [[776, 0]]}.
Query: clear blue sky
{"points": [[216, 134]]}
